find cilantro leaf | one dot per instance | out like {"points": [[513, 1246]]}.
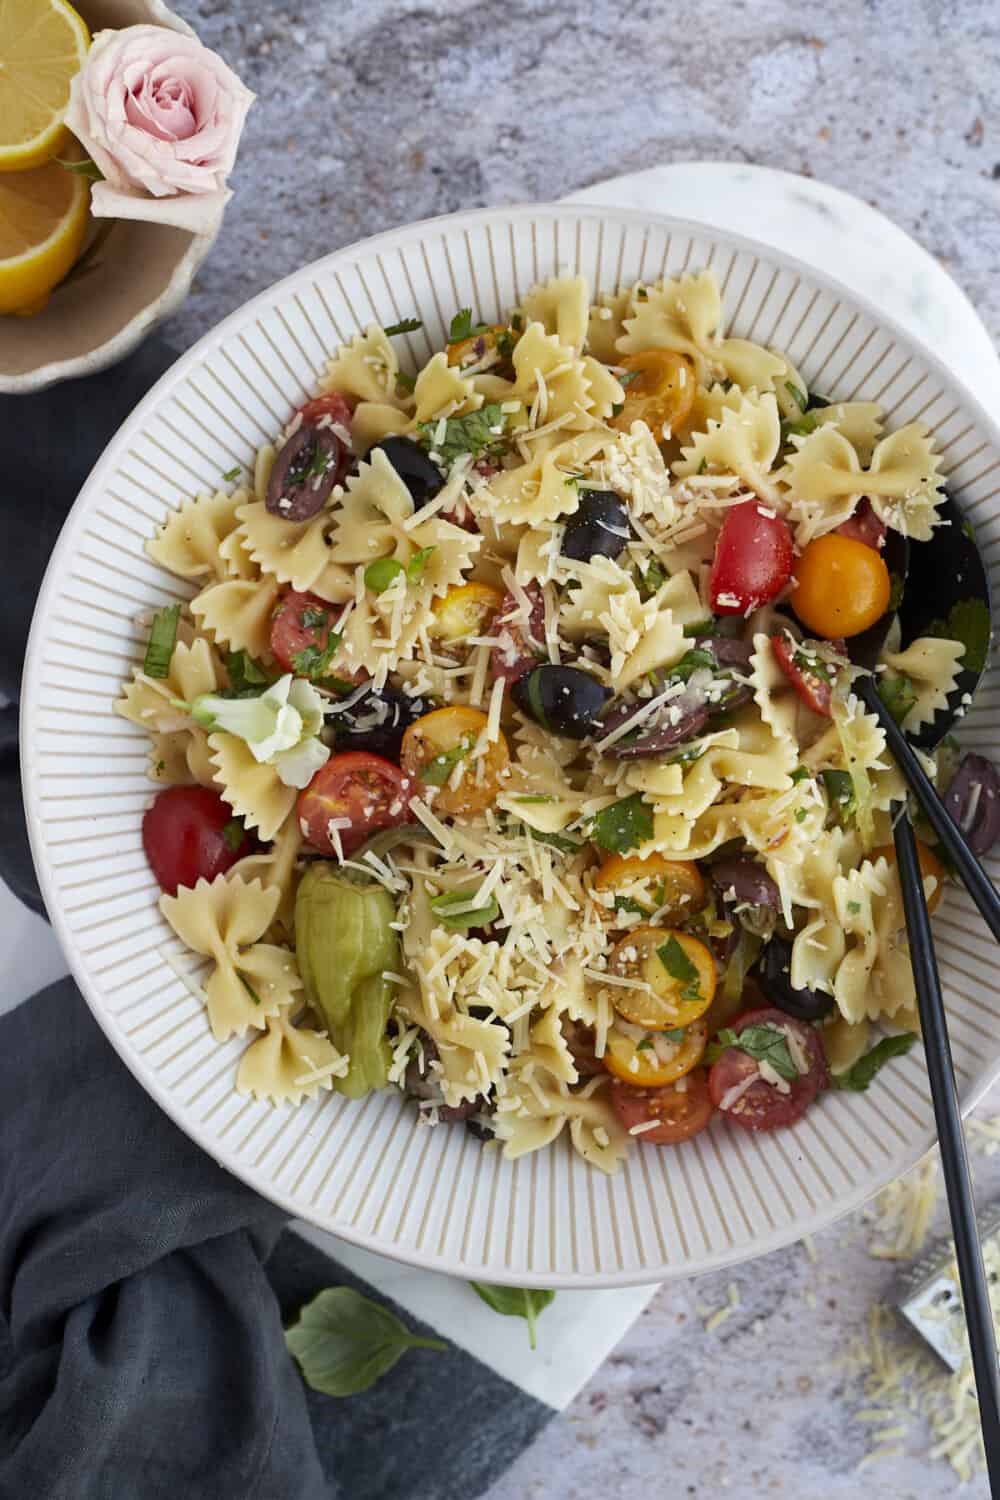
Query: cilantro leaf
{"points": [[860, 1075], [763, 1043], [405, 325], [899, 694], [472, 434], [160, 647], [969, 622], [462, 326], [679, 967], [623, 826]]}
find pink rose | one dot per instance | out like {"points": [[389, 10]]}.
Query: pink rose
{"points": [[161, 116]]}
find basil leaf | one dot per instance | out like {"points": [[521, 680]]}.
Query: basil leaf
{"points": [[969, 622], [679, 967], [801, 773], [437, 771], [471, 434], [380, 574], [860, 1075], [623, 826], [344, 1342], [762, 1043], [899, 694], [443, 908], [629, 903], [515, 1302], [690, 663], [234, 833], [653, 579], [462, 326], [160, 647], [405, 325], [246, 676], [312, 661]]}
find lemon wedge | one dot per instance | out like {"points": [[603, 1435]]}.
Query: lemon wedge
{"points": [[43, 221], [42, 44]]}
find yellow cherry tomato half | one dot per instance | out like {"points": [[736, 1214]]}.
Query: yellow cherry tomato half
{"points": [[646, 885], [659, 390], [931, 868], [678, 974], [841, 587], [465, 610], [471, 350], [657, 1058], [435, 746]]}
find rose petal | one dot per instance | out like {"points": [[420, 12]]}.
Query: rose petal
{"points": [[199, 213]]}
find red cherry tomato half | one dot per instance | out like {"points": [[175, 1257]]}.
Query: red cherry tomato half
{"points": [[333, 405], [190, 834], [514, 654], [753, 559], [366, 789], [680, 1109], [864, 526], [300, 632], [815, 691], [762, 1106]]}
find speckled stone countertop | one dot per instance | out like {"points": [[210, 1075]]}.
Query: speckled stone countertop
{"points": [[373, 113]]}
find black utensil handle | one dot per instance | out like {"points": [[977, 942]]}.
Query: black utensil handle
{"points": [[958, 1183], [974, 877]]}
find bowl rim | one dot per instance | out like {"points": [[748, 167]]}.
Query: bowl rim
{"points": [[225, 1156]]}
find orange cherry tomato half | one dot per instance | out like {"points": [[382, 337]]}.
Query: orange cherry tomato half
{"points": [[931, 868], [437, 743], [678, 973], [659, 1057], [471, 350], [366, 789], [465, 610], [659, 390], [645, 886], [675, 1113], [842, 586]]}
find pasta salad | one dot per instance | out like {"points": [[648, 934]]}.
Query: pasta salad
{"points": [[508, 749]]}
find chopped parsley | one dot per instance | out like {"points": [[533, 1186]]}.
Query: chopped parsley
{"points": [[462, 327], [680, 967], [813, 665], [405, 325], [314, 619], [859, 1076], [382, 573], [231, 475], [691, 661], [968, 622], [623, 826], [234, 833], [898, 693], [646, 1045], [699, 627], [854, 906], [653, 579], [444, 906], [560, 841], [246, 676], [761, 1042], [505, 340], [629, 904], [162, 636], [437, 771], [801, 814], [313, 660], [473, 434]]}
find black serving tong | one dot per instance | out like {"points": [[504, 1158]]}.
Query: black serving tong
{"points": [[936, 574]]}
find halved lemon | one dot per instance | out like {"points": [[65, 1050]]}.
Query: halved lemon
{"points": [[42, 44], [43, 221]]}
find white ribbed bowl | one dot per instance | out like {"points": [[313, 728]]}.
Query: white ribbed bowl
{"points": [[368, 1171]]}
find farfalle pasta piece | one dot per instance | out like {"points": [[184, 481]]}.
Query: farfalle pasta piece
{"points": [[683, 315], [535, 773], [744, 441], [902, 481], [562, 306], [374, 420], [605, 325], [253, 789], [472, 1053], [931, 665], [189, 541], [149, 701], [181, 757], [295, 552], [860, 422], [533, 1108], [729, 757], [550, 378], [368, 523], [237, 614], [549, 1049], [542, 489], [642, 636], [289, 1063], [366, 368], [874, 978], [441, 389], [819, 945], [275, 866], [779, 705], [224, 920]]}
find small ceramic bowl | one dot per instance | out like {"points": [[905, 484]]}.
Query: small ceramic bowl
{"points": [[140, 274]]}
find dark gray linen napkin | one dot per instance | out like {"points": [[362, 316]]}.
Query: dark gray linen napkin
{"points": [[142, 1288]]}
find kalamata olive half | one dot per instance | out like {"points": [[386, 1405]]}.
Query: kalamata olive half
{"points": [[973, 800], [773, 973], [375, 721], [744, 882], [420, 1083], [422, 478], [599, 528], [304, 473], [564, 699], [682, 720]]}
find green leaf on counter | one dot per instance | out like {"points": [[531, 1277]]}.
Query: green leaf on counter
{"points": [[515, 1302], [344, 1342]]}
